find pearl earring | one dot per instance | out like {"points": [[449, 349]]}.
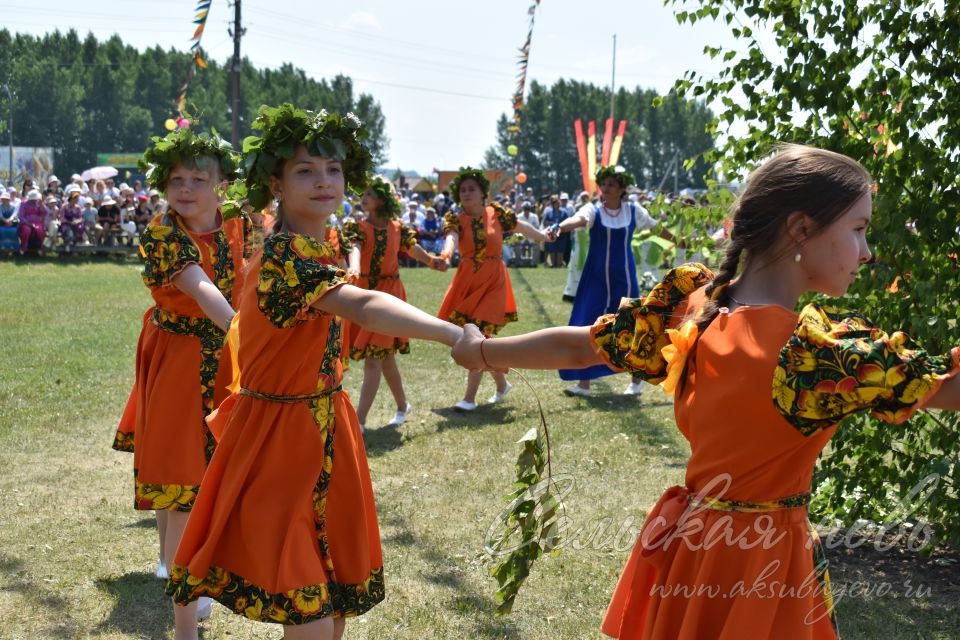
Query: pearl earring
{"points": [[797, 257]]}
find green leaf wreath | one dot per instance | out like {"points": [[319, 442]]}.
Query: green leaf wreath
{"points": [[324, 134], [183, 146], [469, 173]]}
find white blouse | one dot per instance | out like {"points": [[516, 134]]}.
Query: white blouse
{"points": [[619, 221]]}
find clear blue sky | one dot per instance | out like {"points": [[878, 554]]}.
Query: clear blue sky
{"points": [[442, 71]]}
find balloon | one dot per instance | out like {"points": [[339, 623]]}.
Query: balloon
{"points": [[512, 150], [521, 177], [183, 123], [169, 124]]}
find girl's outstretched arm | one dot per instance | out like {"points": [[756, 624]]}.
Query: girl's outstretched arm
{"points": [[553, 348], [195, 283], [449, 246], [948, 397], [529, 231], [353, 260], [382, 313], [420, 254]]}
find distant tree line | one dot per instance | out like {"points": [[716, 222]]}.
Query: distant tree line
{"points": [[84, 97]]}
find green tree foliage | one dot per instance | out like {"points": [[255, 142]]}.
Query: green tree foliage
{"points": [[877, 81], [82, 97], [658, 128]]}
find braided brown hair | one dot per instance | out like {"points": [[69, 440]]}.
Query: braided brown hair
{"points": [[819, 183]]}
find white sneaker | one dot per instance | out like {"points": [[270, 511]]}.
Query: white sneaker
{"points": [[464, 407], [499, 395], [204, 608], [576, 390], [400, 416], [161, 571], [633, 389]]}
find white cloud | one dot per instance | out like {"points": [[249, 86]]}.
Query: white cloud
{"points": [[363, 20]]}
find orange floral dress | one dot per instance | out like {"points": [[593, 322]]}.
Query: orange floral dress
{"points": [[166, 409], [480, 292], [285, 527], [732, 555], [380, 271]]}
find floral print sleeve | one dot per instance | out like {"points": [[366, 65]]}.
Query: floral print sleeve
{"points": [[837, 363], [295, 272], [507, 218], [632, 338], [249, 239], [345, 243], [408, 237], [352, 233], [166, 250], [451, 222]]}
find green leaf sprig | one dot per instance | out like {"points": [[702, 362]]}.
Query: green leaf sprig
{"points": [[529, 526], [324, 134], [183, 146]]}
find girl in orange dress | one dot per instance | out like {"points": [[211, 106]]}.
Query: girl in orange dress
{"points": [[285, 528], [380, 238], [193, 259], [759, 390], [480, 292]]}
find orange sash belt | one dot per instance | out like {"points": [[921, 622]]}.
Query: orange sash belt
{"points": [[665, 517]]}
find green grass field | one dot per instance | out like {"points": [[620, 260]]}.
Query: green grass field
{"points": [[76, 561]]}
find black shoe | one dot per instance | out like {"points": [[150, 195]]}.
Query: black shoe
{"points": [[567, 298]]}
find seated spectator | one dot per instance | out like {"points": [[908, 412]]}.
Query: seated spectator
{"points": [[53, 220], [27, 188], [111, 189], [14, 197], [142, 214], [32, 224], [89, 219], [54, 189], [77, 179], [128, 213], [8, 224], [71, 219], [430, 230], [440, 205], [8, 212], [108, 222], [156, 204], [412, 217], [98, 192]]}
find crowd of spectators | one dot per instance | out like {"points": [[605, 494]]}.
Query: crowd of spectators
{"points": [[101, 213], [93, 213]]}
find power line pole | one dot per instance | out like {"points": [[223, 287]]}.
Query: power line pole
{"points": [[6, 87], [613, 76], [237, 32]]}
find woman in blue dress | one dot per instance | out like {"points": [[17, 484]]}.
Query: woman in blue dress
{"points": [[609, 272]]}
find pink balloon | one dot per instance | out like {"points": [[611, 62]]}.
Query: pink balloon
{"points": [[183, 123]]}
